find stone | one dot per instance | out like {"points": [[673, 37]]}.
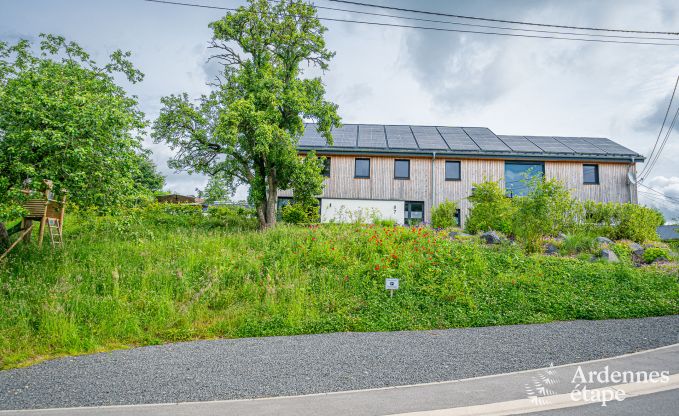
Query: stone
{"points": [[491, 237], [637, 249], [551, 249], [457, 234], [609, 256], [604, 240], [561, 237]]}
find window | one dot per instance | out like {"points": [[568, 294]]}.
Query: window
{"points": [[590, 174], [326, 167], [414, 213], [362, 168], [401, 169], [452, 170], [457, 217], [519, 174], [282, 201]]}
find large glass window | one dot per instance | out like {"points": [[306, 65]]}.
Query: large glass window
{"points": [[401, 169], [452, 170], [414, 213], [519, 174], [326, 167], [590, 174], [282, 201], [362, 168]]}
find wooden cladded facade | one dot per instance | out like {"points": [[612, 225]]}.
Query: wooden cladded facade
{"points": [[427, 181]]}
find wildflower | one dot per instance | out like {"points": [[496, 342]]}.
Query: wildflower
{"points": [[377, 267]]}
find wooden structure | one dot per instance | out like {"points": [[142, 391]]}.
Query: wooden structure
{"points": [[47, 210], [178, 199]]}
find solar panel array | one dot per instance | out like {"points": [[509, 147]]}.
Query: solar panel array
{"points": [[520, 144], [472, 140], [429, 138], [371, 136], [486, 139], [400, 137], [457, 139], [580, 145]]}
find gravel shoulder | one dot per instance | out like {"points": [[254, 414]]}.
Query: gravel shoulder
{"points": [[279, 366]]}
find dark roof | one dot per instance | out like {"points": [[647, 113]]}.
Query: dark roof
{"points": [[460, 141], [668, 232]]}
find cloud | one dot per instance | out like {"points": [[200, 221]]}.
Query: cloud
{"points": [[664, 195]]}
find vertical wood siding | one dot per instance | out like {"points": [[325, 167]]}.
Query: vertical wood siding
{"points": [[381, 185]]}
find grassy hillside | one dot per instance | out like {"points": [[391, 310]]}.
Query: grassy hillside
{"points": [[139, 280]]}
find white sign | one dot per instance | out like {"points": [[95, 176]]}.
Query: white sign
{"points": [[391, 284]]}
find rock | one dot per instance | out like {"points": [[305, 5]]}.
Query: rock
{"points": [[491, 237], [551, 249], [637, 249], [609, 256], [457, 234], [604, 240], [561, 237]]}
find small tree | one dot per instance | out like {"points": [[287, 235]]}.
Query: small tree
{"points": [[444, 215], [547, 209], [491, 209]]}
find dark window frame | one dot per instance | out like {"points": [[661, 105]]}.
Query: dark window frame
{"points": [[459, 170], [327, 167], [596, 174], [356, 176], [402, 177], [407, 211]]}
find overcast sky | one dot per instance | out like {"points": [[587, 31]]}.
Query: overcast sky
{"points": [[408, 76]]}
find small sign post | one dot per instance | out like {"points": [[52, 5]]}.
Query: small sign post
{"points": [[391, 285]]}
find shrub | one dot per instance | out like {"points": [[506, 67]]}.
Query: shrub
{"points": [[233, 216], [622, 221], [652, 254], [578, 242], [298, 213], [547, 209], [491, 209], [384, 223], [443, 215]]}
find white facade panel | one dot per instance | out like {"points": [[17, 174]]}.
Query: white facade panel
{"points": [[365, 210]]}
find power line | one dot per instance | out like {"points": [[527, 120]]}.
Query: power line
{"points": [[502, 21], [483, 26], [662, 126], [652, 163], [671, 198], [519, 35], [652, 197]]}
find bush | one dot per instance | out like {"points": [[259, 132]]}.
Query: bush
{"points": [[491, 209], [443, 215], [622, 221], [547, 209], [298, 213], [234, 217], [578, 242], [652, 254], [384, 223]]}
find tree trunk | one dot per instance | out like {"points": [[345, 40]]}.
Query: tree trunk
{"points": [[4, 238], [271, 199], [261, 216]]}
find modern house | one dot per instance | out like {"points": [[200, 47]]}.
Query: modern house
{"points": [[401, 172]]}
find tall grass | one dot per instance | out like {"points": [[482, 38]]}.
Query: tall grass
{"points": [[136, 280]]}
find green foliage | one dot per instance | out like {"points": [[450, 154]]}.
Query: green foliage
{"points": [[385, 222], [622, 221], [491, 209], [233, 217], [65, 119], [299, 213], [579, 242], [652, 254], [218, 188], [547, 209], [247, 129], [184, 282], [623, 251], [307, 180], [443, 215]]}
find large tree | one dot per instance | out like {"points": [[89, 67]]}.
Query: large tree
{"points": [[64, 118], [246, 131]]}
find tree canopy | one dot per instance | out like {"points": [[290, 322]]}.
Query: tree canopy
{"points": [[64, 118], [247, 129]]}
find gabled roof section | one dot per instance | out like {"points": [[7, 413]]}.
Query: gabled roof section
{"points": [[460, 141]]}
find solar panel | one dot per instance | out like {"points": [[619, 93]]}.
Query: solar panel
{"points": [[550, 144], [520, 144], [457, 139], [311, 137], [371, 136], [609, 146], [580, 145], [429, 138], [486, 139], [345, 136], [400, 137]]}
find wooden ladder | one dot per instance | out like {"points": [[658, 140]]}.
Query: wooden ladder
{"points": [[54, 226]]}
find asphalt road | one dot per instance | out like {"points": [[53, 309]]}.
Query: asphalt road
{"points": [[279, 366]]}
